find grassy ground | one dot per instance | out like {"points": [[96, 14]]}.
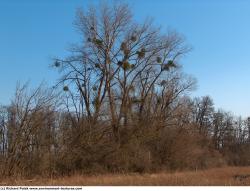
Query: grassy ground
{"points": [[238, 176]]}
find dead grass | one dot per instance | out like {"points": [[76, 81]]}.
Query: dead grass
{"points": [[228, 176]]}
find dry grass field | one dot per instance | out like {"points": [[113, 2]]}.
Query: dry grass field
{"points": [[228, 176]]}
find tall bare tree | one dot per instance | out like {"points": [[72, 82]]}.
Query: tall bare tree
{"points": [[118, 63]]}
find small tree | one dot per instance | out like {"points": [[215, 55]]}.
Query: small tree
{"points": [[28, 119]]}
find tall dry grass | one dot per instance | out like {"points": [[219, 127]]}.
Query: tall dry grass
{"points": [[228, 176]]}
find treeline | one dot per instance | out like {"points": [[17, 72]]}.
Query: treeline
{"points": [[121, 104]]}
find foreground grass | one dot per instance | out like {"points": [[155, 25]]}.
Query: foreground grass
{"points": [[228, 176]]}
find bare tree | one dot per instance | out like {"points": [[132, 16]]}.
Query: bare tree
{"points": [[28, 113], [118, 62], [203, 114]]}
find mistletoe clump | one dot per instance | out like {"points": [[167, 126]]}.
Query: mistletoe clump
{"points": [[126, 65], [170, 64], [98, 42], [65, 88], [123, 46], [158, 59], [89, 39], [163, 82], [125, 49], [97, 66], [133, 38], [165, 67], [141, 53], [57, 63]]}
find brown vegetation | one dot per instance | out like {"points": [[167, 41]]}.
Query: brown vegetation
{"points": [[228, 176], [122, 105]]}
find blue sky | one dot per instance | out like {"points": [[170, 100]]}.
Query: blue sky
{"points": [[33, 32]]}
